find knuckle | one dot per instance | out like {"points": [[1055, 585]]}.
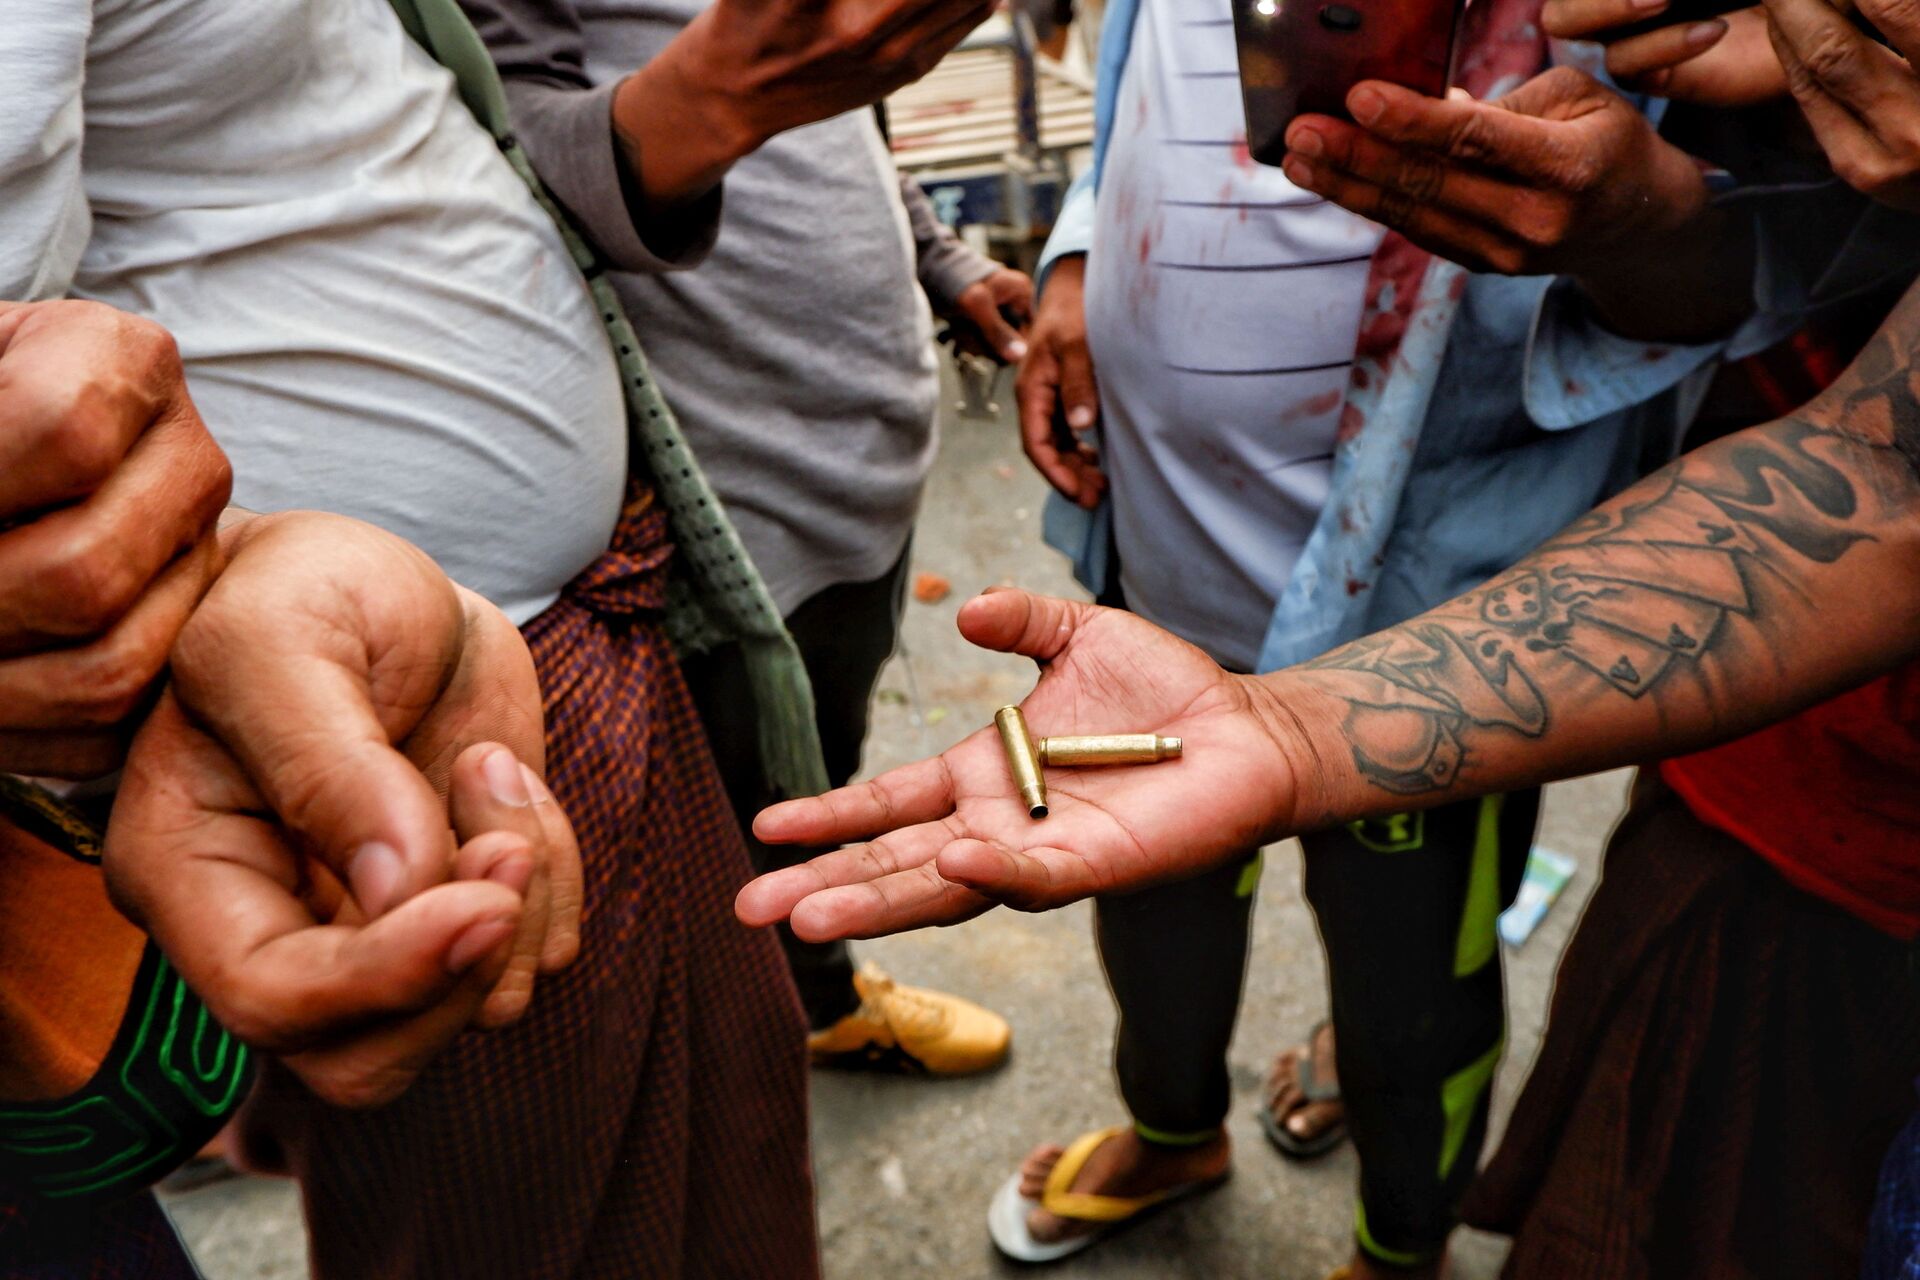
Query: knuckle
{"points": [[1470, 139], [85, 588], [1395, 208], [114, 682], [849, 29], [261, 1023], [1420, 178], [1830, 57], [1507, 260], [1544, 228], [78, 447]]}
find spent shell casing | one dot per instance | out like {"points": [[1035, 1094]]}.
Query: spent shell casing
{"points": [[1023, 760], [1108, 748]]}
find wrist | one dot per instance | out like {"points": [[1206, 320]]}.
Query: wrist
{"points": [[678, 128], [1688, 280], [1304, 724]]}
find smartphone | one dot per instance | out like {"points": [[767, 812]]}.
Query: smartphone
{"points": [[1301, 56]]}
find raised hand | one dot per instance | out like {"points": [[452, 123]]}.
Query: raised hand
{"points": [[110, 488], [280, 831], [745, 70], [987, 317], [1056, 386], [948, 837]]}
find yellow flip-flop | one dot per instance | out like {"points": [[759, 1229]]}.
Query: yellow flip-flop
{"points": [[1007, 1216]]}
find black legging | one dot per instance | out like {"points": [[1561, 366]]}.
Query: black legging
{"points": [[845, 633]]}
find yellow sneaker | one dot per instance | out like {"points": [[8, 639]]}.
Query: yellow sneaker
{"points": [[909, 1030]]}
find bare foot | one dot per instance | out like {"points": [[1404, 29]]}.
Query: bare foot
{"points": [[1303, 1119], [1124, 1165], [1364, 1268]]}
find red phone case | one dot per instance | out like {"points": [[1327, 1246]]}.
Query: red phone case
{"points": [[1301, 56]]}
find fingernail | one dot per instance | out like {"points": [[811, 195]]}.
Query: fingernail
{"points": [[1298, 172], [1307, 142], [503, 774], [535, 787], [1016, 350], [1366, 104], [375, 871], [1648, 5], [1701, 34], [1080, 417], [476, 942]]}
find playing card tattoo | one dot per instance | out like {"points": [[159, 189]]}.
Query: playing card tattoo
{"points": [[1622, 600]]}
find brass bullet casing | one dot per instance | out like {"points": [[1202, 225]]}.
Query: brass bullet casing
{"points": [[1023, 761], [1109, 748]]}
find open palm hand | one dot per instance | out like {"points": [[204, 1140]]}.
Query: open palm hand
{"points": [[946, 838]]}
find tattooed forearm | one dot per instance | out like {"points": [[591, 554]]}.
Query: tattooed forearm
{"points": [[1720, 562]]}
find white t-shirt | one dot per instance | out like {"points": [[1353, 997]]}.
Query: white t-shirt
{"points": [[376, 317], [1222, 309]]}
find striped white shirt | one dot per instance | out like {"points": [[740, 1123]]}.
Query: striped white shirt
{"points": [[1222, 305]]}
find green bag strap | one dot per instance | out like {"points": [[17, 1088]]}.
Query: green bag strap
{"points": [[716, 594]]}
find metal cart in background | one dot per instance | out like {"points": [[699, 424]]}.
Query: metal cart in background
{"points": [[993, 131]]}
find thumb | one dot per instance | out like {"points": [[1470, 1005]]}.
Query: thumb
{"points": [[1079, 395], [312, 743], [1008, 620], [982, 309]]}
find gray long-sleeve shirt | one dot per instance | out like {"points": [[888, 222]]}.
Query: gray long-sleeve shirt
{"points": [[797, 356]]}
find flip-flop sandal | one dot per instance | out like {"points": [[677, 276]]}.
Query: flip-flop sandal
{"points": [[1007, 1215], [1312, 1090]]}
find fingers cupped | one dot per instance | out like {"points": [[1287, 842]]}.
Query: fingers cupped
{"points": [[298, 990], [489, 798]]}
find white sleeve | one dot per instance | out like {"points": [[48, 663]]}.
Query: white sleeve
{"points": [[44, 219]]}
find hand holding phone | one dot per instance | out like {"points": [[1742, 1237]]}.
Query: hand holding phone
{"points": [[1300, 57]]}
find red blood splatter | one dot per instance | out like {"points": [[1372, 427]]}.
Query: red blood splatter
{"points": [[1314, 406], [1355, 586], [1241, 155], [1653, 355], [1382, 332], [1146, 245], [1361, 378], [1351, 421], [1573, 388], [1458, 289], [1346, 522]]}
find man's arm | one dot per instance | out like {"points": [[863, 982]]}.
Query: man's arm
{"points": [[985, 305], [657, 143], [1750, 579]]}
